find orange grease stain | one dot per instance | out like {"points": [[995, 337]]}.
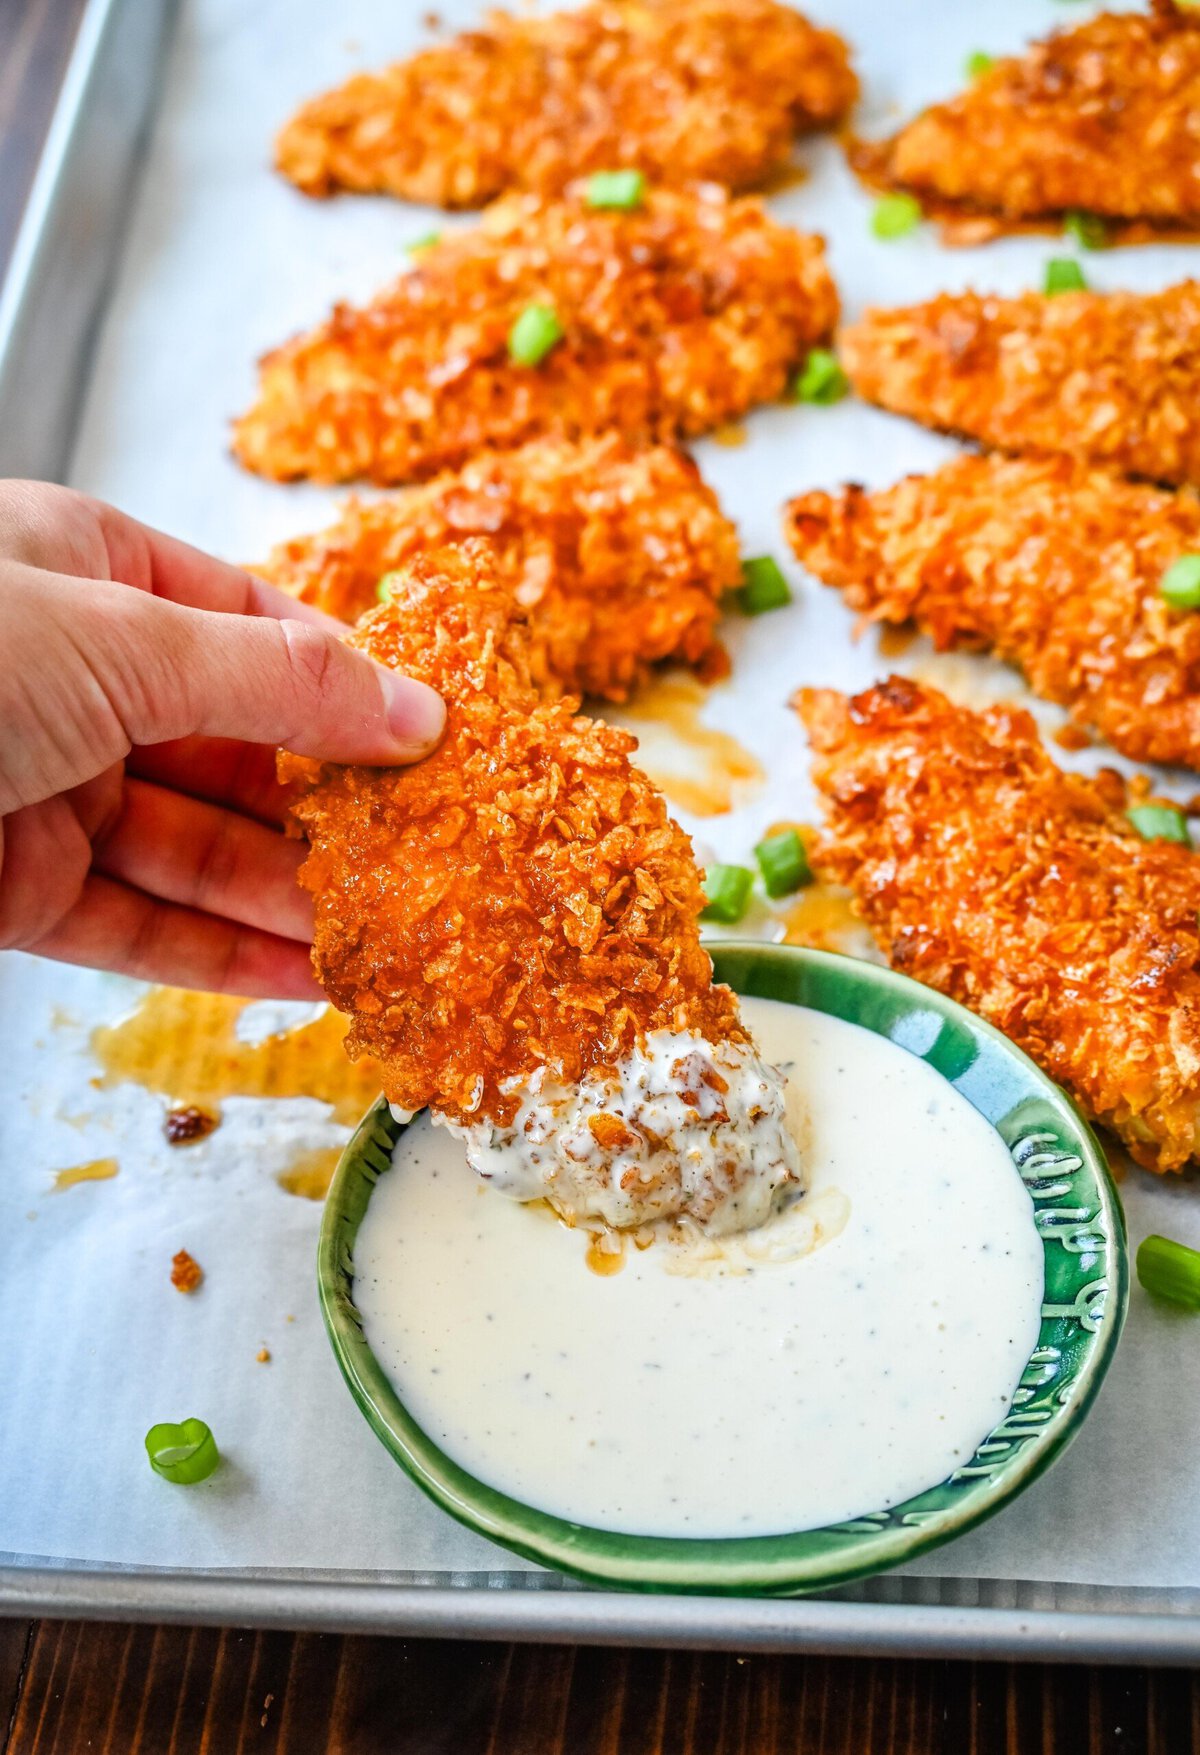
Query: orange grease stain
{"points": [[700, 769], [602, 1258], [99, 1170], [185, 1046], [310, 1173]]}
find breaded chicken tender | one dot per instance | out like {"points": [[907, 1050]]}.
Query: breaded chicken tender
{"points": [[1104, 118], [1025, 893], [616, 557], [1110, 377], [1052, 565], [675, 318], [684, 90], [512, 927]]}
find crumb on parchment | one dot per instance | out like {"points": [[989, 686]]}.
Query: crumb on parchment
{"points": [[186, 1273]]}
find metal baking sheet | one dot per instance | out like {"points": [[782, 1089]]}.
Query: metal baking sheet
{"points": [[61, 275]]}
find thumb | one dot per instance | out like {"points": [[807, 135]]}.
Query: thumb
{"points": [[278, 682]]}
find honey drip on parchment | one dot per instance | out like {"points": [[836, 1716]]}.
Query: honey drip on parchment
{"points": [[185, 1046], [99, 1170], [702, 770]]}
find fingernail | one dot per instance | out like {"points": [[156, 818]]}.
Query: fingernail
{"points": [[415, 713]]}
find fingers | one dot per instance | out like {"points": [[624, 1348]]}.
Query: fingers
{"points": [[171, 672], [202, 857], [239, 775], [115, 927]]}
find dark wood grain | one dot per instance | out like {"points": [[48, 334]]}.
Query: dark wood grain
{"points": [[146, 1691], [66, 1688]]}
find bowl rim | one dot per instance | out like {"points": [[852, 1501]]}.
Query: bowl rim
{"points": [[1057, 1156]]}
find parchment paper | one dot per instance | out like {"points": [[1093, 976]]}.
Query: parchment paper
{"points": [[222, 261]]}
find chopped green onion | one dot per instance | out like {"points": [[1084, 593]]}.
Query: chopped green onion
{"points": [[895, 216], [821, 378], [1088, 229], [783, 863], [763, 586], [1063, 274], [383, 591], [727, 889], [1160, 822], [533, 334], [623, 190], [1170, 1270], [1180, 584], [184, 1453], [979, 63], [426, 241]]}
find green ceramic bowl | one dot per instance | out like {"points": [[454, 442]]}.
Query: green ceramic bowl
{"points": [[1077, 1214]]}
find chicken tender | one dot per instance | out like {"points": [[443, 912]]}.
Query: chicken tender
{"points": [[675, 318], [1025, 893], [684, 90], [1110, 377], [512, 927], [1104, 118], [617, 557], [1052, 565]]}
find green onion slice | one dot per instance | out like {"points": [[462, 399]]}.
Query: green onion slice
{"points": [[783, 863], [979, 63], [894, 216], [185, 1453], [385, 587], [1088, 229], [727, 889], [623, 190], [426, 241], [533, 335], [1180, 584], [763, 586], [821, 378], [1063, 274], [1160, 822], [1170, 1270]]}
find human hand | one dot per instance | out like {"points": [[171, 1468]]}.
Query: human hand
{"points": [[143, 689]]}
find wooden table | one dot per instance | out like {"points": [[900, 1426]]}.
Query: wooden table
{"points": [[67, 1687]]}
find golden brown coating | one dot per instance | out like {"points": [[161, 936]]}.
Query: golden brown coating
{"points": [[1022, 891], [1052, 565], [519, 898], [1110, 377], [1104, 117], [684, 90], [617, 557], [676, 317]]}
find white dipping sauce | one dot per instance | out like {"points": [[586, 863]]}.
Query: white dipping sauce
{"points": [[746, 1398]]}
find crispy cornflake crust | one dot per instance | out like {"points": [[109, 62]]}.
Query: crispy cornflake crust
{"points": [[685, 90], [519, 898], [1110, 377], [1101, 118], [677, 317], [617, 557], [991, 875], [1054, 566]]}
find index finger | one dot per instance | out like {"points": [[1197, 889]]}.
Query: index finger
{"points": [[152, 561]]}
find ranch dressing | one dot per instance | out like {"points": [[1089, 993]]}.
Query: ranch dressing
{"points": [[849, 1354]]}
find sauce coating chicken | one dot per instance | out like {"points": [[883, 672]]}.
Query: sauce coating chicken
{"points": [[1025, 893], [1054, 566], [1113, 378], [684, 90], [618, 557], [674, 318], [1103, 118], [512, 922]]}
